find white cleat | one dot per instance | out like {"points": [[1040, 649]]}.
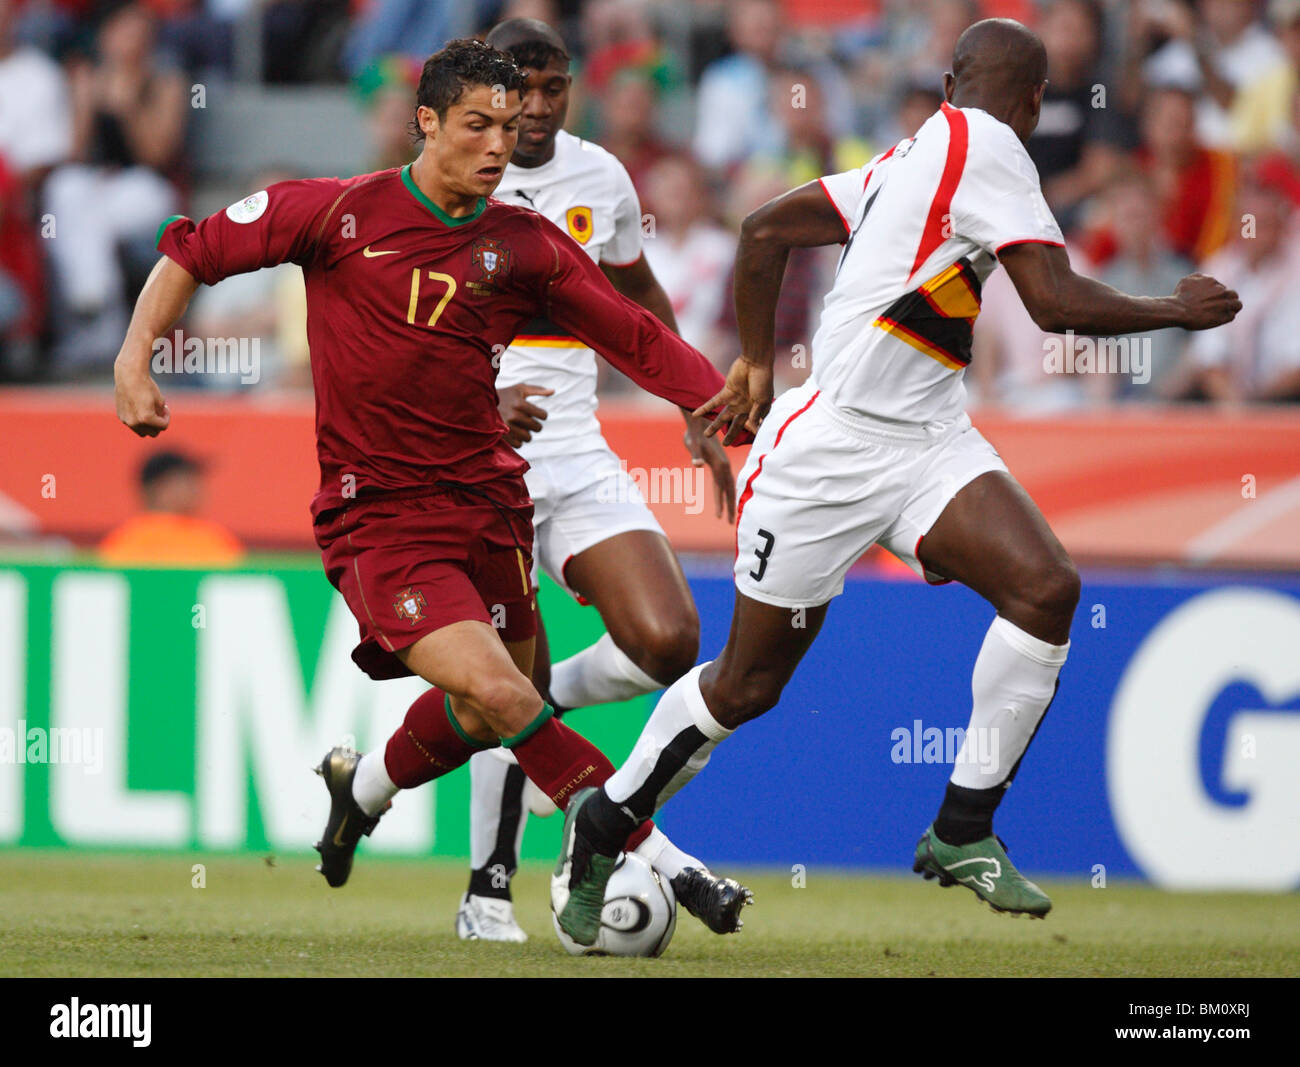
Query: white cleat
{"points": [[487, 919]]}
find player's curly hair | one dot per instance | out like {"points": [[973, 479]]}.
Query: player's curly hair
{"points": [[460, 64]]}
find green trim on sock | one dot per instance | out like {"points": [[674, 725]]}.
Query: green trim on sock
{"points": [[523, 735], [163, 225], [460, 730]]}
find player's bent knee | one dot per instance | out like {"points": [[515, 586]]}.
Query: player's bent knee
{"points": [[506, 704], [736, 701], [667, 651], [1058, 591]]}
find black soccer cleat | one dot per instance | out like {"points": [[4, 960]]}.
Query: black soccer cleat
{"points": [[347, 822], [716, 902]]}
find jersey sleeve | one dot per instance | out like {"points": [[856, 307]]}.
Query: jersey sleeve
{"points": [[624, 248], [580, 299], [999, 201], [279, 224], [844, 190]]}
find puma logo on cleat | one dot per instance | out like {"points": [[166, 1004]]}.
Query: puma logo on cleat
{"points": [[985, 879]]}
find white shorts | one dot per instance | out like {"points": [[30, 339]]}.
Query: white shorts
{"points": [[821, 486], [579, 501]]}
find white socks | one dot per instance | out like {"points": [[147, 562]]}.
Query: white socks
{"points": [[1013, 682], [371, 786], [672, 749], [664, 856], [497, 815], [600, 674]]}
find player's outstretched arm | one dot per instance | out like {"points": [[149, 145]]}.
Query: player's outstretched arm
{"points": [[162, 301], [638, 283], [1057, 299], [583, 301]]}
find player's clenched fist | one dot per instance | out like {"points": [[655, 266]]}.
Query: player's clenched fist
{"points": [[1208, 302], [140, 403], [742, 403]]}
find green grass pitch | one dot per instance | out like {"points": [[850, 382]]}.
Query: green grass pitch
{"points": [[114, 915]]}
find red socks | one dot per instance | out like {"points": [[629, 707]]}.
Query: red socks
{"points": [[559, 761], [428, 744]]}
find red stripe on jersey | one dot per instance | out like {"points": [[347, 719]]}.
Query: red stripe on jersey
{"points": [[1027, 241], [847, 228], [941, 207], [749, 485]]}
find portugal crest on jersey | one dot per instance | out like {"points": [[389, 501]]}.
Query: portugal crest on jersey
{"points": [[579, 223], [410, 605], [490, 258]]}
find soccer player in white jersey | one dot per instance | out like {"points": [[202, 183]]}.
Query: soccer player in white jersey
{"points": [[876, 448], [595, 536]]}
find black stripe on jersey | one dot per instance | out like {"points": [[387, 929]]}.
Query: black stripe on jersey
{"points": [[923, 314], [849, 243]]}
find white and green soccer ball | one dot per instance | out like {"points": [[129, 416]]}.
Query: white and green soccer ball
{"points": [[639, 916]]}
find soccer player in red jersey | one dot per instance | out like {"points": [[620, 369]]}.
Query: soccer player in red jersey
{"points": [[416, 281]]}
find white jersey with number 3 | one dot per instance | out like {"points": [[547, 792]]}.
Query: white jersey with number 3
{"points": [[925, 222], [586, 192]]}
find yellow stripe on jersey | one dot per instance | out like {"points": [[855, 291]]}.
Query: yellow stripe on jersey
{"points": [[547, 341], [950, 293], [918, 342]]}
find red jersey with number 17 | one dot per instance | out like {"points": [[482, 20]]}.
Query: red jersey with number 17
{"points": [[408, 313]]}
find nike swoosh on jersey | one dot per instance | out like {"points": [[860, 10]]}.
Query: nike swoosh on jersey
{"points": [[371, 255]]}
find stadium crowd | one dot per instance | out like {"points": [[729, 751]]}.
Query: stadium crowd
{"points": [[1169, 141]]}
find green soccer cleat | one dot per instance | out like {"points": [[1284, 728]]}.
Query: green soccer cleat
{"points": [[581, 875], [983, 868]]}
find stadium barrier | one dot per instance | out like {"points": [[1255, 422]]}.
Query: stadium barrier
{"points": [[1126, 487], [182, 710]]}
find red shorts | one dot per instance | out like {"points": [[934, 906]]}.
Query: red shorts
{"points": [[409, 566]]}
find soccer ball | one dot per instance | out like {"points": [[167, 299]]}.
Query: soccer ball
{"points": [[639, 916]]}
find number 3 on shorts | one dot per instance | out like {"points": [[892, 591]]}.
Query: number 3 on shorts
{"points": [[762, 554]]}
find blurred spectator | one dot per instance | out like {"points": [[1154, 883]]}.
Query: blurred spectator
{"points": [[35, 126], [917, 104], [690, 254], [268, 305], [169, 531], [1193, 184], [1257, 355], [627, 125], [415, 28], [1008, 368], [808, 274], [1076, 145], [941, 23], [1143, 265], [387, 91], [803, 146], [734, 116], [1263, 112], [22, 282], [618, 36], [129, 116], [1214, 47]]}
